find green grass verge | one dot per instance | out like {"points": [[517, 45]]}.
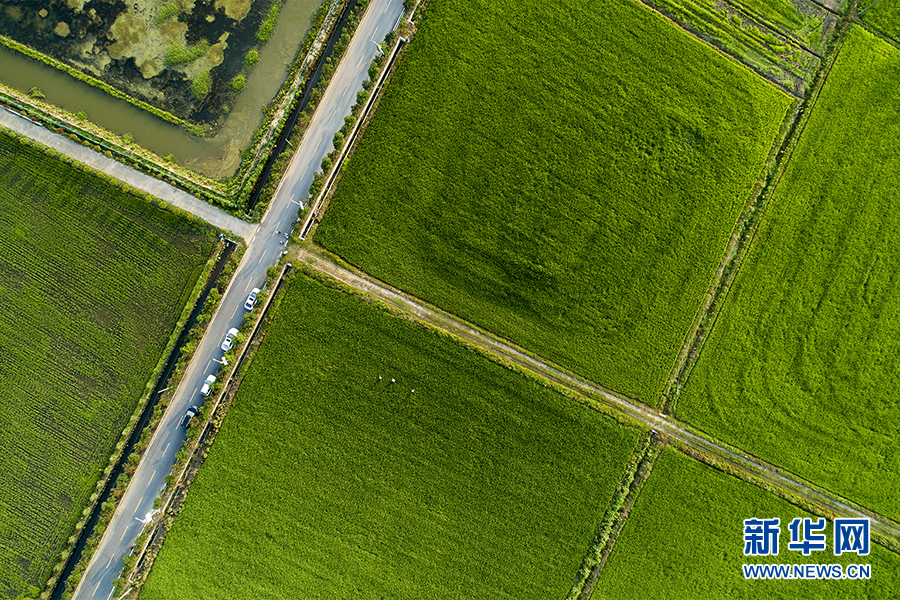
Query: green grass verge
{"points": [[92, 280], [684, 539], [325, 482], [802, 366], [574, 197]]}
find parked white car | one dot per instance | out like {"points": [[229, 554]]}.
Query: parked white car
{"points": [[251, 299], [207, 385], [229, 339]]}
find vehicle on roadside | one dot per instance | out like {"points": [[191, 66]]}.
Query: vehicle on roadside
{"points": [[251, 299], [229, 339], [190, 414], [207, 385]]}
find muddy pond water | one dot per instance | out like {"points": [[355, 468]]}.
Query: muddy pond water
{"points": [[215, 157]]}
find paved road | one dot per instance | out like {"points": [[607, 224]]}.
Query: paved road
{"points": [[264, 250], [132, 177], [631, 409]]}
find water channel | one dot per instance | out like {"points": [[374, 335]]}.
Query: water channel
{"points": [[215, 157]]}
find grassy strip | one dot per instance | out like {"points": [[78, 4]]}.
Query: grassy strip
{"points": [[639, 466], [801, 366], [268, 25], [74, 332], [684, 539], [478, 477]]}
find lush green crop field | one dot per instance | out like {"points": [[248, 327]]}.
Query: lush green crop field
{"points": [[885, 16], [325, 482], [803, 366], [574, 197], [92, 281], [684, 539]]}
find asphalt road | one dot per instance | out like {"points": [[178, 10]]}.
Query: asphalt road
{"points": [[263, 251]]}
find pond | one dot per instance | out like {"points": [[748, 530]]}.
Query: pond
{"points": [[215, 157]]}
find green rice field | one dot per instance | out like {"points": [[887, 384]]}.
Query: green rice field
{"points": [[803, 365], [92, 281], [566, 175], [684, 539], [332, 478]]}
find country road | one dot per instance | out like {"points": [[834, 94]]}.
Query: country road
{"points": [[628, 408], [265, 245]]}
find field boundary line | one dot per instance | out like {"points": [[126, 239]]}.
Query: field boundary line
{"points": [[714, 452], [724, 273], [744, 234], [639, 467]]}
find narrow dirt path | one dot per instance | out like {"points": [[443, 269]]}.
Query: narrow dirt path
{"points": [[688, 440]]}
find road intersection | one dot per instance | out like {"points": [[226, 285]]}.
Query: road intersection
{"points": [[265, 246]]}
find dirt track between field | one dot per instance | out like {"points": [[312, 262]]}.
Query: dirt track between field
{"points": [[696, 443]]}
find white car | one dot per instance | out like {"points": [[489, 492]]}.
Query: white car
{"points": [[207, 385], [251, 299], [229, 339]]}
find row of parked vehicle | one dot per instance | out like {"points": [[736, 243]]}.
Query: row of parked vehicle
{"points": [[227, 344]]}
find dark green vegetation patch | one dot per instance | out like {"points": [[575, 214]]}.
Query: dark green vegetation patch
{"points": [[684, 539], [328, 482], [803, 366], [565, 174], [92, 281]]}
